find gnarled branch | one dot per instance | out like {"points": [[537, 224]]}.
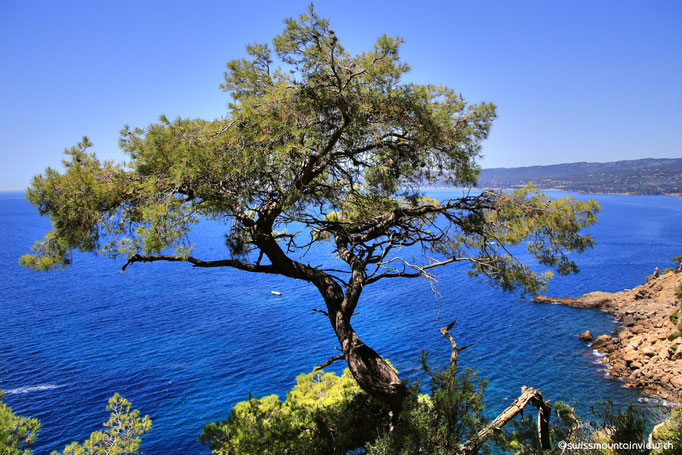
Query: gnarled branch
{"points": [[528, 396]]}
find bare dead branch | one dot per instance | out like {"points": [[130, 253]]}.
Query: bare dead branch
{"points": [[329, 362], [455, 349], [528, 396]]}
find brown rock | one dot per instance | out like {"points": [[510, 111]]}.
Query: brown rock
{"points": [[628, 321], [601, 341], [586, 336], [594, 299], [649, 350]]}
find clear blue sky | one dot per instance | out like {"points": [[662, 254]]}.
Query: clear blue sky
{"points": [[576, 80]]}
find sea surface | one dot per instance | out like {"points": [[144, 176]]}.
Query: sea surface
{"points": [[185, 344]]}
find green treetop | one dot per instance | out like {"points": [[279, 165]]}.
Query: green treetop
{"points": [[331, 144]]}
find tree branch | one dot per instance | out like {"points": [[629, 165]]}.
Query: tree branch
{"points": [[528, 396], [455, 349], [199, 263], [329, 362]]}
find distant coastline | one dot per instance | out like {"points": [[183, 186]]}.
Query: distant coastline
{"points": [[647, 177]]}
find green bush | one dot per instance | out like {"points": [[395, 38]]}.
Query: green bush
{"points": [[328, 414], [670, 431], [122, 434], [17, 433], [678, 291], [439, 422], [323, 413], [121, 437], [519, 436], [626, 426]]}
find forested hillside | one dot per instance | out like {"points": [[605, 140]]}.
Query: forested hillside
{"points": [[646, 176]]}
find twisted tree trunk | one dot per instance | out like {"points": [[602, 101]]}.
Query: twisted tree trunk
{"points": [[374, 375]]}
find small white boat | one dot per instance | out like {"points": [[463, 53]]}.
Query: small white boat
{"points": [[275, 293]]}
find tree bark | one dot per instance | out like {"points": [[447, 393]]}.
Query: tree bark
{"points": [[374, 375]]}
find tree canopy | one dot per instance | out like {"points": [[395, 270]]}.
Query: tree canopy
{"points": [[317, 144]]}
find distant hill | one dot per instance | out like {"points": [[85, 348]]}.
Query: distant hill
{"points": [[647, 176]]}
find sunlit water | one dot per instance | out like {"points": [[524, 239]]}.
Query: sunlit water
{"points": [[184, 344]]}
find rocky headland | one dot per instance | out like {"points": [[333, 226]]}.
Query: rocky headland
{"points": [[647, 351]]}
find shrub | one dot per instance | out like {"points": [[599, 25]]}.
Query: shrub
{"points": [[17, 433], [678, 291], [669, 431], [122, 434], [323, 413], [520, 435], [328, 414], [627, 426], [437, 423]]}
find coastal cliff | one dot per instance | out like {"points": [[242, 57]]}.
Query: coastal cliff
{"points": [[647, 351]]}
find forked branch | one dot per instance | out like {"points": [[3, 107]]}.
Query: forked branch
{"points": [[455, 349], [528, 396]]}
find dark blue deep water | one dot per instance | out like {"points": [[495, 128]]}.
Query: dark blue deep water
{"points": [[184, 345]]}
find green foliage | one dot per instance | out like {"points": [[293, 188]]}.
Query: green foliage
{"points": [[677, 260], [544, 226], [439, 422], [670, 431], [678, 292], [323, 413], [612, 428], [334, 142], [122, 434], [626, 426], [17, 433], [520, 436]]}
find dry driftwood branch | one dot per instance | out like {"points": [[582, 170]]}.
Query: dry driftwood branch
{"points": [[528, 396]]}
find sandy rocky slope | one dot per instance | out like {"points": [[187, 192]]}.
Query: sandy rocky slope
{"points": [[640, 352]]}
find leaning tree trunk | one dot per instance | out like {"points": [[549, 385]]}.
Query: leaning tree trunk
{"points": [[374, 375]]}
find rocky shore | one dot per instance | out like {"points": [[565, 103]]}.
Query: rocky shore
{"points": [[642, 351]]}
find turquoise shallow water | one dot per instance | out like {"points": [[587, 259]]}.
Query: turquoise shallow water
{"points": [[184, 344]]}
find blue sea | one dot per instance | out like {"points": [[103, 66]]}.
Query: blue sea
{"points": [[185, 344]]}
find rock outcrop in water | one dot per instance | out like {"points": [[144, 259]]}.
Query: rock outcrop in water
{"points": [[642, 351]]}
